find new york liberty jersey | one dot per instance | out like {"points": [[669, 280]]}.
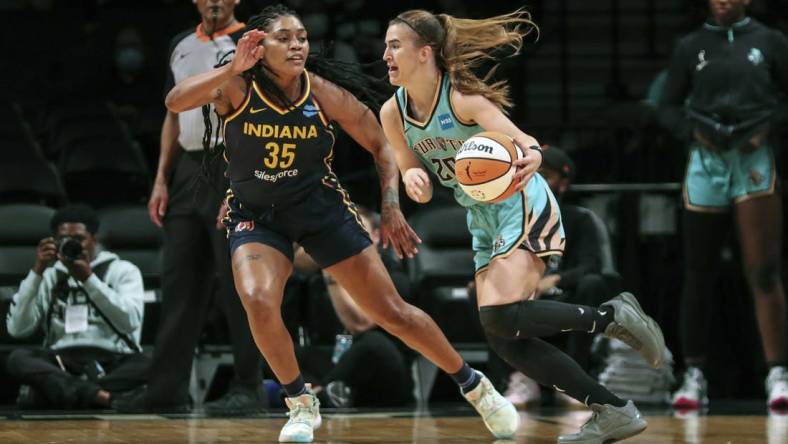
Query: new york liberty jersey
{"points": [[436, 140], [529, 219]]}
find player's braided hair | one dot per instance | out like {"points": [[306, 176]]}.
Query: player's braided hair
{"points": [[368, 89], [461, 44]]}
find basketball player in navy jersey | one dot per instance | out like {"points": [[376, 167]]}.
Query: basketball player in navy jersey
{"points": [[279, 143]]}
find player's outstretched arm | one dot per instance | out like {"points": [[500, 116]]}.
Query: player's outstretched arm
{"points": [[416, 179], [360, 123]]}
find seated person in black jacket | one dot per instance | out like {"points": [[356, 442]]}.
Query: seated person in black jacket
{"points": [[367, 367]]}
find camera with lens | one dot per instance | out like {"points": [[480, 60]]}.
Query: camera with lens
{"points": [[69, 247]]}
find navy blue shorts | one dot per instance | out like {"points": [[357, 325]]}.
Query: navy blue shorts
{"points": [[326, 223]]}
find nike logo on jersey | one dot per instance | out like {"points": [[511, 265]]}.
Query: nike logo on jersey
{"points": [[256, 110]]}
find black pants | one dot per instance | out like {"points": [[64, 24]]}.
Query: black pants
{"points": [[195, 254], [373, 367], [87, 370]]}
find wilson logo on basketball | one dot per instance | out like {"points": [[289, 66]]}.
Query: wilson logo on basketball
{"points": [[484, 165], [247, 225], [473, 146]]}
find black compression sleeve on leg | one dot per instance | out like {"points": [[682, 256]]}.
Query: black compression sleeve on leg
{"points": [[539, 318], [551, 367]]}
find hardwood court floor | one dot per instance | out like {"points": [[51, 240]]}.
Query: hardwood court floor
{"points": [[378, 428]]}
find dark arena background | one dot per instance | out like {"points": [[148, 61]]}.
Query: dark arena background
{"points": [[81, 112]]}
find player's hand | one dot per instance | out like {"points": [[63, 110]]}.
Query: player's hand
{"points": [[417, 185], [248, 51], [529, 163], [45, 254], [395, 230], [220, 216], [545, 284], [157, 204]]}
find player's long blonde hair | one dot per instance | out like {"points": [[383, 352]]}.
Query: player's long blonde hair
{"points": [[461, 44]]}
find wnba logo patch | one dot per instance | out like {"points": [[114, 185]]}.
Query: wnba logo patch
{"points": [[310, 110], [247, 225], [445, 121]]}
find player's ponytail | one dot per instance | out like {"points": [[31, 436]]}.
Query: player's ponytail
{"points": [[212, 149], [460, 45]]}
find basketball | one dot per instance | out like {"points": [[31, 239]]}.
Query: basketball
{"points": [[483, 166]]}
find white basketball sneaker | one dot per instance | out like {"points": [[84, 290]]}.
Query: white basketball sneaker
{"points": [[608, 424], [304, 419], [777, 388], [499, 415], [692, 393]]}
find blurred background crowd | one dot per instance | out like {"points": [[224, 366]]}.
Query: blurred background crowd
{"points": [[81, 110]]}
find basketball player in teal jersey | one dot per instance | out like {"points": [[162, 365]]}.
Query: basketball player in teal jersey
{"points": [[279, 142], [439, 104]]}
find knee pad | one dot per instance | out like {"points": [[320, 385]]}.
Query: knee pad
{"points": [[500, 320], [533, 319]]}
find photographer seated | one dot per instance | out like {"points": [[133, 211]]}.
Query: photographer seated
{"points": [[367, 368], [90, 307]]}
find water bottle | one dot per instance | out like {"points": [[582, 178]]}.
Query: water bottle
{"points": [[341, 345]]}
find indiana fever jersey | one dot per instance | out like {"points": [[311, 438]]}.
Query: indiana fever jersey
{"points": [[436, 140], [277, 155]]}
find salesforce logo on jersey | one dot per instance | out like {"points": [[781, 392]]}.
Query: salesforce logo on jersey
{"points": [[274, 177], [445, 121]]}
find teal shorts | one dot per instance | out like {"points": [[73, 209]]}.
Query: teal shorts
{"points": [[529, 219], [717, 179]]}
